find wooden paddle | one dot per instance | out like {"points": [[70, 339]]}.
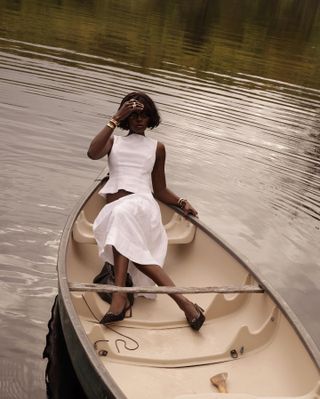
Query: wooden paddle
{"points": [[219, 381], [165, 290]]}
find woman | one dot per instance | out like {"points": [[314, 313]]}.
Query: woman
{"points": [[128, 229]]}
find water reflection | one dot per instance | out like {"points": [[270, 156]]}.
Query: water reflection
{"points": [[61, 380], [278, 39]]}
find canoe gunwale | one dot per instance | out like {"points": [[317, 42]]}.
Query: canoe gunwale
{"points": [[71, 323]]}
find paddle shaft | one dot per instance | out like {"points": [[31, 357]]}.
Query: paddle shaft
{"points": [[165, 290]]}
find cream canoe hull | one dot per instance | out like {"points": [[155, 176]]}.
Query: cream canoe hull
{"points": [[154, 354]]}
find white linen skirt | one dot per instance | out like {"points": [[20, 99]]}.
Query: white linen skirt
{"points": [[132, 224]]}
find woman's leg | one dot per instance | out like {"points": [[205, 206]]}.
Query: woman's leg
{"points": [[161, 278], [119, 300]]}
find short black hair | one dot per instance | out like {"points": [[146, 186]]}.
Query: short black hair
{"points": [[149, 108]]}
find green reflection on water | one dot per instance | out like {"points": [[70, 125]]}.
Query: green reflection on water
{"points": [[275, 39]]}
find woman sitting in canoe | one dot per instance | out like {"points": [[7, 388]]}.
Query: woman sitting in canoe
{"points": [[128, 229]]}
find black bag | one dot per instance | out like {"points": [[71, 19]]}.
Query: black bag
{"points": [[106, 276]]}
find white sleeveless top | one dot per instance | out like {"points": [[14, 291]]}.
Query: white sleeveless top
{"points": [[131, 162]]}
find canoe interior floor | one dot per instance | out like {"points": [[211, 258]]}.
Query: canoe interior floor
{"points": [[156, 354], [257, 356]]}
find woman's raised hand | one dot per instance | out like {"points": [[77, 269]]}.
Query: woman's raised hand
{"points": [[127, 108]]}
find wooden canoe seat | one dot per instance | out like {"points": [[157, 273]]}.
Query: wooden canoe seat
{"points": [[179, 230]]}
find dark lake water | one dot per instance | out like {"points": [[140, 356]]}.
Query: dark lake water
{"points": [[237, 83]]}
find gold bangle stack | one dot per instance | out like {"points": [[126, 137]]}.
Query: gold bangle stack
{"points": [[182, 203], [112, 123]]}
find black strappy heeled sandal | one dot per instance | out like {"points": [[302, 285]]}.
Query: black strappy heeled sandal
{"points": [[111, 317], [197, 322]]}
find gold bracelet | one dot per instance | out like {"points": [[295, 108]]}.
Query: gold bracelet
{"points": [[115, 122], [111, 125], [182, 203]]}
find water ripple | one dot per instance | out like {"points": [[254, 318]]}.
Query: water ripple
{"points": [[245, 149]]}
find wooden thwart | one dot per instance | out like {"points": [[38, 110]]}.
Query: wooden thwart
{"points": [[166, 290]]}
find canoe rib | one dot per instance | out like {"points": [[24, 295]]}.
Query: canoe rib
{"points": [[166, 290]]}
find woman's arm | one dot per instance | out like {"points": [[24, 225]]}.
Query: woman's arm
{"points": [[102, 143], [161, 192]]}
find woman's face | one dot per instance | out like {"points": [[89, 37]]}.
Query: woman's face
{"points": [[138, 122]]}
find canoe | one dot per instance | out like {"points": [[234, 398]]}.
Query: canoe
{"points": [[250, 346]]}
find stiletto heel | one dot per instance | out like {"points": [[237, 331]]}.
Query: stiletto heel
{"points": [[131, 300], [197, 323], [111, 317], [130, 310]]}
